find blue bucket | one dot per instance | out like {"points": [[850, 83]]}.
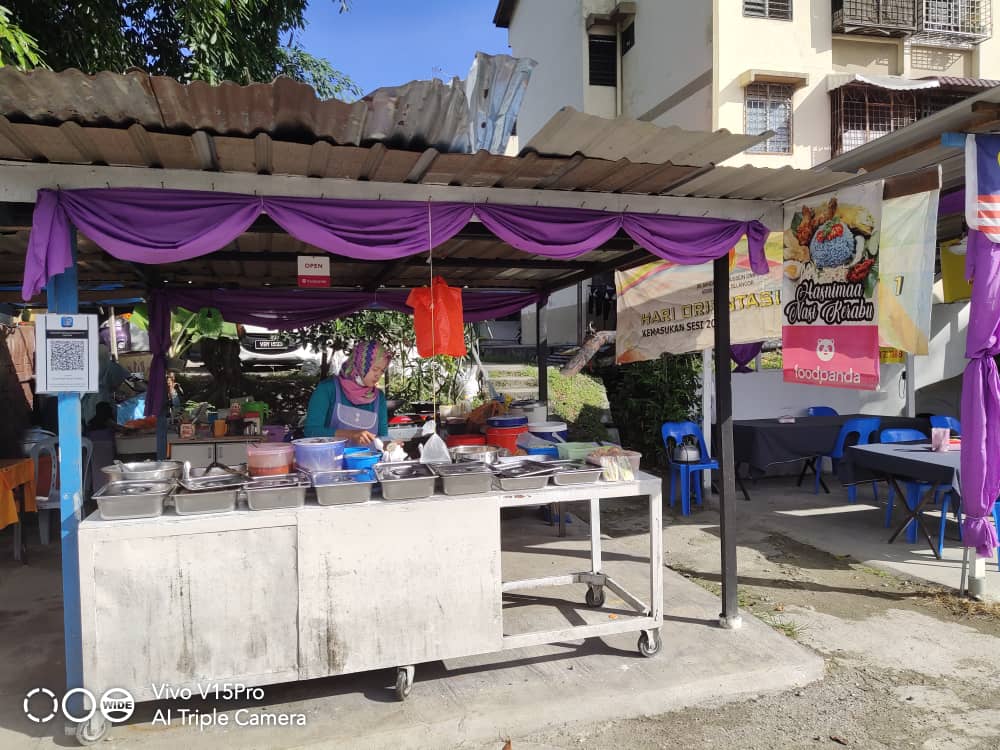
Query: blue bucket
{"points": [[554, 432], [553, 452]]}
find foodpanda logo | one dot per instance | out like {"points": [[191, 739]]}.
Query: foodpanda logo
{"points": [[825, 349]]}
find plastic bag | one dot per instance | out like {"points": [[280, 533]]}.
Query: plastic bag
{"points": [[444, 332], [434, 451]]}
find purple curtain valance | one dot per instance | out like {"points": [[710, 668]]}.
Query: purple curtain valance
{"points": [[153, 226], [980, 462]]}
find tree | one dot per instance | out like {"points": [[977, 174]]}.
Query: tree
{"points": [[244, 41]]}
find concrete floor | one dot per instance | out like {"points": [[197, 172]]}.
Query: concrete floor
{"points": [[832, 524], [462, 702]]}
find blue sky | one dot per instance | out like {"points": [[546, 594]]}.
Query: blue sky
{"points": [[391, 42]]}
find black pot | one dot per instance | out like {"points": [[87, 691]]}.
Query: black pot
{"points": [[422, 407]]}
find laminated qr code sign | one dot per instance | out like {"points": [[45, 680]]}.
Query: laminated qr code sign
{"points": [[67, 356]]}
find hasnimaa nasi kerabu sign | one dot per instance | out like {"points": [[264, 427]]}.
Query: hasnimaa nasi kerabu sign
{"points": [[830, 293], [667, 308]]}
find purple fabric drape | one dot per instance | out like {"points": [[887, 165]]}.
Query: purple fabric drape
{"points": [[166, 226], [743, 355], [288, 309], [980, 477]]}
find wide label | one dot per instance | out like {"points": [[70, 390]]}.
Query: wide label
{"points": [[830, 298]]}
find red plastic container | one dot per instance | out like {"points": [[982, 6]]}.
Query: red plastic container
{"points": [[453, 441], [505, 437]]}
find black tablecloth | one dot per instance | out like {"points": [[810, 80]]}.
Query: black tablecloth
{"points": [[760, 443], [904, 460]]}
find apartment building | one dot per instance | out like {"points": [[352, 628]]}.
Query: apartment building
{"points": [[825, 76]]}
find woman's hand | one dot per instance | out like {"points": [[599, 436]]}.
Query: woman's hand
{"points": [[361, 437]]}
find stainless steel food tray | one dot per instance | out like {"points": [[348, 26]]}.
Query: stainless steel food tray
{"points": [[205, 501], [576, 473], [125, 500], [465, 478], [270, 493], [405, 480], [342, 487]]}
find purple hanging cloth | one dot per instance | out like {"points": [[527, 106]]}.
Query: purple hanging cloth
{"points": [[980, 463], [744, 354]]}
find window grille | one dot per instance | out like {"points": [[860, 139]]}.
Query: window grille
{"points": [[875, 17], [768, 106], [603, 60], [777, 9], [954, 23]]}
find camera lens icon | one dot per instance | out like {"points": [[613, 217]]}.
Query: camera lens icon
{"points": [[48, 702]]}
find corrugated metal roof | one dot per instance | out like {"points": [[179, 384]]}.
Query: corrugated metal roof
{"points": [[917, 146], [894, 83], [570, 132], [968, 83]]}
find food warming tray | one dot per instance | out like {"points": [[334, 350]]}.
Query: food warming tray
{"points": [[205, 501], [405, 480], [576, 473], [125, 500], [524, 475], [282, 491], [465, 478], [342, 487]]}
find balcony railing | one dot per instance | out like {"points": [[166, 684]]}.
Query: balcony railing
{"points": [[954, 23], [888, 18]]}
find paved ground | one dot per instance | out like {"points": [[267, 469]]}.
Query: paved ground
{"points": [[459, 703], [908, 664]]}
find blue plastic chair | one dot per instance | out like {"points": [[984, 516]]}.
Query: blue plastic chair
{"points": [[822, 411], [950, 422], [864, 428], [680, 472]]}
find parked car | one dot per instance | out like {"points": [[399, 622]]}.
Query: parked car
{"points": [[261, 348]]}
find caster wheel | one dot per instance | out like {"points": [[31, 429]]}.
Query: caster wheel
{"points": [[404, 683], [650, 647], [93, 731], [595, 596]]}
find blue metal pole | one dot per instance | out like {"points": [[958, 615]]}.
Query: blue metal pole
{"points": [[63, 294]]}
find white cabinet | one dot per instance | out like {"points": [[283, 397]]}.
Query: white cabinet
{"points": [[199, 455], [202, 454]]}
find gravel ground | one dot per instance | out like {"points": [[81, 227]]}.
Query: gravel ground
{"points": [[909, 665]]}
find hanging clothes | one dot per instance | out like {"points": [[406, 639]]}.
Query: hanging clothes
{"points": [[442, 332]]}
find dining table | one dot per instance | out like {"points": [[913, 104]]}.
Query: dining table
{"points": [[17, 497], [927, 471], [759, 444]]}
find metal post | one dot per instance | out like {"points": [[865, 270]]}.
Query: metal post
{"points": [[542, 344], [64, 298], [580, 318], [113, 339], [911, 385], [730, 616], [707, 381]]}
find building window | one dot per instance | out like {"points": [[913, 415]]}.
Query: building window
{"points": [[628, 38], [603, 60], [780, 10], [769, 107]]}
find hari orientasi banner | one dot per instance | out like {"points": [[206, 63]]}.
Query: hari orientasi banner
{"points": [[830, 335], [666, 308]]}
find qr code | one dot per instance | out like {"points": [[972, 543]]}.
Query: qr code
{"points": [[67, 356]]}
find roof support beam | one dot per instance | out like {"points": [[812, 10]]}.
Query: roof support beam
{"points": [[626, 261], [20, 181]]}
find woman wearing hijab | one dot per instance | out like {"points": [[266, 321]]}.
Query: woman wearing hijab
{"points": [[349, 405]]}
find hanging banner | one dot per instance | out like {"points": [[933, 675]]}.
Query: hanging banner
{"points": [[906, 270], [982, 184], [664, 307], [314, 271], [830, 295]]}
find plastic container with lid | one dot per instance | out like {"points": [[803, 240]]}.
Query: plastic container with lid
{"points": [[576, 451], [319, 453], [554, 432], [269, 459], [514, 420]]}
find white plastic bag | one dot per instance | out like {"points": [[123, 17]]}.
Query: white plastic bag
{"points": [[434, 451]]}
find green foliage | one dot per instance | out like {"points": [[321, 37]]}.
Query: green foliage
{"points": [[582, 401], [208, 40], [187, 328], [644, 395], [16, 46]]}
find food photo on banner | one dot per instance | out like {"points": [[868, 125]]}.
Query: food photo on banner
{"points": [[830, 332], [667, 308]]}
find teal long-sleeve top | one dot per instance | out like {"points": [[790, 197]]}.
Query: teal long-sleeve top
{"points": [[322, 402]]}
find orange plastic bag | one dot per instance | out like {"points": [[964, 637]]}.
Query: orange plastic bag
{"points": [[446, 335]]}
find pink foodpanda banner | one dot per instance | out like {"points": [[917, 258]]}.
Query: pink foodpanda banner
{"points": [[830, 289]]}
